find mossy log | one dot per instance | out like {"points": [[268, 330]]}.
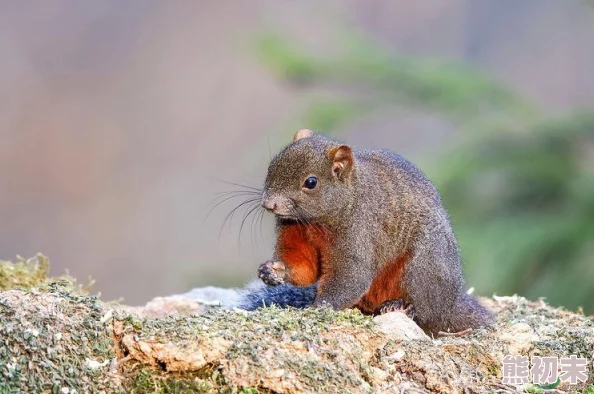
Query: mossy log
{"points": [[56, 339]]}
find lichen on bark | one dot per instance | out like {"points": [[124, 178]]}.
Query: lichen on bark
{"points": [[55, 338]]}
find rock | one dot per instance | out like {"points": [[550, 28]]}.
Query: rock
{"points": [[193, 302], [210, 295], [519, 338], [398, 326], [161, 307]]}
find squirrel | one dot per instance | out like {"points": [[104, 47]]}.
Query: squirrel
{"points": [[361, 229]]}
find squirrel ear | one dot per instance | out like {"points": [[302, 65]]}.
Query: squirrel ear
{"points": [[342, 159], [303, 133]]}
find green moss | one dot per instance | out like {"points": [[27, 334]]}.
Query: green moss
{"points": [[494, 370], [53, 340], [249, 390], [147, 380], [534, 389], [53, 337], [24, 274], [251, 336], [254, 338]]}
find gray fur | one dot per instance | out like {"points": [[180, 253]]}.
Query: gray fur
{"points": [[377, 208]]}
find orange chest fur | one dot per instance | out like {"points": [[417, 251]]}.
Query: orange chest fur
{"points": [[306, 250]]}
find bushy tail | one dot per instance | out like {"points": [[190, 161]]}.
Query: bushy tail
{"points": [[258, 295]]}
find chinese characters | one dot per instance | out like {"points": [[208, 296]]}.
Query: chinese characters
{"points": [[544, 370]]}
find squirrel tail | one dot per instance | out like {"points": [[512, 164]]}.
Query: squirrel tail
{"points": [[258, 295]]}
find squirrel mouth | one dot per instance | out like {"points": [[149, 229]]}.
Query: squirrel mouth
{"points": [[285, 216]]}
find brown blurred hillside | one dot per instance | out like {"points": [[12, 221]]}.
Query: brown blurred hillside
{"points": [[118, 119]]}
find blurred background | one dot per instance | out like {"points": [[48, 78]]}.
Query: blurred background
{"points": [[119, 122]]}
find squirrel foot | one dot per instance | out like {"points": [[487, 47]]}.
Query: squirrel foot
{"points": [[272, 272], [396, 306], [454, 334]]}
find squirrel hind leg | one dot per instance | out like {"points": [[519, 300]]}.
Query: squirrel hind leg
{"points": [[397, 305], [469, 313]]}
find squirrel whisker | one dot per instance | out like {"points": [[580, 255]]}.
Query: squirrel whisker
{"points": [[259, 190], [226, 197], [247, 213], [229, 216]]}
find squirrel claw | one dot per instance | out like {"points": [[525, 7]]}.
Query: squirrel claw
{"points": [[454, 334], [272, 272], [396, 306]]}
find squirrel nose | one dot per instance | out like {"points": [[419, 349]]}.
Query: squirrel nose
{"points": [[269, 204]]}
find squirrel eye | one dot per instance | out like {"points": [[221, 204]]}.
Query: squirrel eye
{"points": [[310, 183]]}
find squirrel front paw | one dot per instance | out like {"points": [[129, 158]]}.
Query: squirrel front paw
{"points": [[272, 272]]}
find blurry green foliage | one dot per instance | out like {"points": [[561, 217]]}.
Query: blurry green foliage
{"points": [[331, 114], [363, 67], [523, 204], [519, 185]]}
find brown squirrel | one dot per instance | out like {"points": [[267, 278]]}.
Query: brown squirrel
{"points": [[363, 229]]}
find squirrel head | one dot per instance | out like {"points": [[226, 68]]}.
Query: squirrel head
{"points": [[311, 179]]}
